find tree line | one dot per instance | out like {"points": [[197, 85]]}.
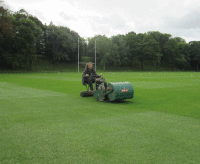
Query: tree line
{"points": [[23, 38], [137, 50]]}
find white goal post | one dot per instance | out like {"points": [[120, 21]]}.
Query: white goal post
{"points": [[86, 62]]}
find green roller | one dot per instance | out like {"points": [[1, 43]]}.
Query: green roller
{"points": [[120, 91], [99, 95]]}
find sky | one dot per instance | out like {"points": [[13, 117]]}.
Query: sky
{"points": [[180, 18]]}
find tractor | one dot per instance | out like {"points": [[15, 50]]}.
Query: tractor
{"points": [[113, 91]]}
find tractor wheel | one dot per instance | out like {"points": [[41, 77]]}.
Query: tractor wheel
{"points": [[86, 94]]}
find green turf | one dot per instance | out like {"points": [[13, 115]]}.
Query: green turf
{"points": [[43, 119]]}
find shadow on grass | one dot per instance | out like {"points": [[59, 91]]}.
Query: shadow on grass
{"points": [[112, 102], [119, 102]]}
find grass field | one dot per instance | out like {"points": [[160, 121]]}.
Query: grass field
{"points": [[43, 119]]}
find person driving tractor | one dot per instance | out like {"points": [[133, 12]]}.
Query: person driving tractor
{"points": [[88, 75]]}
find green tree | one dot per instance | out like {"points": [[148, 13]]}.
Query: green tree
{"points": [[177, 53], [183, 59], [85, 47], [24, 45], [123, 48], [6, 36], [179, 39], [171, 52], [162, 39], [195, 53], [40, 39], [151, 49], [131, 42], [50, 39], [144, 47], [62, 44]]}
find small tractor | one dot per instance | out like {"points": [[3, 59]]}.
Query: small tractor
{"points": [[113, 91]]}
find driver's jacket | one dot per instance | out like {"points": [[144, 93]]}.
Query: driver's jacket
{"points": [[90, 73]]}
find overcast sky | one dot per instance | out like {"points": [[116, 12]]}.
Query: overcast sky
{"points": [[180, 18]]}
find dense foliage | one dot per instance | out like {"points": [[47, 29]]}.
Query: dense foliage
{"points": [[154, 48], [23, 38]]}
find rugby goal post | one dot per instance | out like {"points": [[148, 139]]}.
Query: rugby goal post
{"points": [[86, 62]]}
